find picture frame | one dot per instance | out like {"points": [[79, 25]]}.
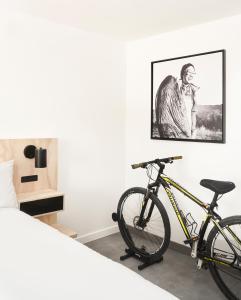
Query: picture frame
{"points": [[188, 98]]}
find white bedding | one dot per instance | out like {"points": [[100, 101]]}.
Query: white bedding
{"points": [[39, 263]]}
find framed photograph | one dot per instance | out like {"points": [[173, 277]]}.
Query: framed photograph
{"points": [[188, 98]]}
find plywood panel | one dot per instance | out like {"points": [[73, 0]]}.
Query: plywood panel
{"points": [[38, 195], [48, 218], [47, 177], [65, 230]]}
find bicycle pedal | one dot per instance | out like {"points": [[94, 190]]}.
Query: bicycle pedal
{"points": [[187, 241], [114, 217], [191, 240]]}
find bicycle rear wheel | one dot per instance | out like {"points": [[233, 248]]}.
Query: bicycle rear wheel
{"points": [[225, 275], [143, 223]]}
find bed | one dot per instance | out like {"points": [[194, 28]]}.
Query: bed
{"points": [[38, 262]]}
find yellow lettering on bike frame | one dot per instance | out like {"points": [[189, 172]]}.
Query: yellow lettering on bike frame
{"points": [[174, 204], [185, 192]]}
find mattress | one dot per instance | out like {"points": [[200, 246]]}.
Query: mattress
{"points": [[38, 262]]}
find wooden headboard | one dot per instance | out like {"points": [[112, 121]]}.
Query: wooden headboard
{"points": [[47, 177]]}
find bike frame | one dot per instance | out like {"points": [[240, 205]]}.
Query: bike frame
{"points": [[167, 183]]}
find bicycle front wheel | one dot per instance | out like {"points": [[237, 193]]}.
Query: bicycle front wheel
{"points": [[227, 275], [143, 223]]}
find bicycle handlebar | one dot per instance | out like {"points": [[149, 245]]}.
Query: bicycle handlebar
{"points": [[136, 166], [156, 161]]}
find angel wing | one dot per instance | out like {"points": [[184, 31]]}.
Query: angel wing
{"points": [[171, 114]]}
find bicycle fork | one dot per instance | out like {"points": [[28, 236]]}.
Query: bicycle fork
{"points": [[143, 221]]}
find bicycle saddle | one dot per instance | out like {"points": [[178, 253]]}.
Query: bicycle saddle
{"points": [[219, 187]]}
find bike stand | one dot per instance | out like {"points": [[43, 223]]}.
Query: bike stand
{"points": [[146, 261]]}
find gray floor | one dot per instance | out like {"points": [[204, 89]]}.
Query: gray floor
{"points": [[177, 273]]}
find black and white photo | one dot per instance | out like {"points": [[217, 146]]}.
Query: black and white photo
{"points": [[188, 98]]}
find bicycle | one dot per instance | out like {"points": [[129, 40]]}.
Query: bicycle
{"points": [[144, 225]]}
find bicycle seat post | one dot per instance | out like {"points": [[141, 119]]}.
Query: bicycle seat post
{"points": [[214, 202]]}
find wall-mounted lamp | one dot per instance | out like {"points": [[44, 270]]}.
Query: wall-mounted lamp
{"points": [[39, 154]]}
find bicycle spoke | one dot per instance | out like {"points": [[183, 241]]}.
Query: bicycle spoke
{"points": [[149, 238], [156, 229], [233, 231], [228, 253], [238, 242], [229, 276]]}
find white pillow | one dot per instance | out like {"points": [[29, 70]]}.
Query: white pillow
{"points": [[7, 191]]}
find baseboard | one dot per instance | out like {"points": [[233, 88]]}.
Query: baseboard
{"points": [[92, 236], [180, 248]]}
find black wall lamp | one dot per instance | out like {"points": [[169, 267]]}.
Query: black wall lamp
{"points": [[39, 154]]}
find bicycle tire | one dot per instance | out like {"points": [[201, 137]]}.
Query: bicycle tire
{"points": [[125, 231], [216, 269]]}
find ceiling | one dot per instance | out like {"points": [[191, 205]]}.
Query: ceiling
{"points": [[127, 19]]}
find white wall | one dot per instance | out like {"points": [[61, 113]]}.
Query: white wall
{"points": [[201, 160], [56, 81]]}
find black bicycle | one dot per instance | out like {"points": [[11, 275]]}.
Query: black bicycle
{"points": [[145, 227]]}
